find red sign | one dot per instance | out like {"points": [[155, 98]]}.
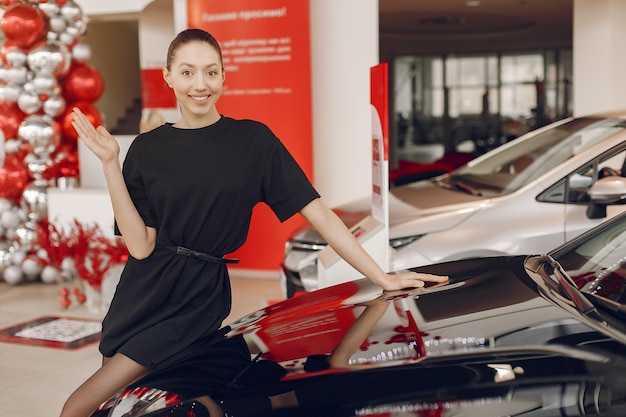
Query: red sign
{"points": [[155, 93]]}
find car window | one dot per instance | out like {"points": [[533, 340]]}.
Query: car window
{"points": [[510, 167], [579, 182], [598, 264]]}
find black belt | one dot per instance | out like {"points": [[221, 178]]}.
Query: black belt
{"points": [[203, 256]]}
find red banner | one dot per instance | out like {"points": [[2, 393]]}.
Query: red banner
{"points": [[266, 50]]}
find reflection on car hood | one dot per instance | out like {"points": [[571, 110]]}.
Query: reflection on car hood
{"points": [[487, 304]]}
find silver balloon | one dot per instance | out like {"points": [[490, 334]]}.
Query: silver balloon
{"points": [[81, 52], [29, 102], [17, 254], [52, 57], [45, 83], [52, 36], [35, 200], [31, 267], [51, 9], [40, 132], [25, 237], [57, 24], [50, 275], [12, 146], [71, 11], [10, 219], [54, 106], [17, 75], [66, 38], [13, 275], [81, 25], [15, 57], [37, 163], [4, 74], [10, 92], [9, 234], [5, 204]]}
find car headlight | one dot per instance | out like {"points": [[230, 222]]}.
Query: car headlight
{"points": [[403, 241]]}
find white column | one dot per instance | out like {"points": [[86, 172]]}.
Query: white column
{"points": [[344, 45], [599, 53]]}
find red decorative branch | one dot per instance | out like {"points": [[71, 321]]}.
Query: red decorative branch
{"points": [[93, 253]]}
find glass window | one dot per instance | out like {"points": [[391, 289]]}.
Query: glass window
{"points": [[580, 182], [598, 265], [515, 166]]}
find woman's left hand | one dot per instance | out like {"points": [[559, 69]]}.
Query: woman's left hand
{"points": [[399, 281]]}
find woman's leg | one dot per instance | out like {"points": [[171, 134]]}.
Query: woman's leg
{"points": [[116, 373], [212, 407]]}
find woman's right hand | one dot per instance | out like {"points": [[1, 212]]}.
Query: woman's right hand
{"points": [[98, 140]]}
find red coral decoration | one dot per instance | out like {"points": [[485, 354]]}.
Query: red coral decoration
{"points": [[93, 253]]}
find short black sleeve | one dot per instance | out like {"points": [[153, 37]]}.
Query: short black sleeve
{"points": [[286, 189]]}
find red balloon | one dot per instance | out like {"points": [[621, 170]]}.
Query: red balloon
{"points": [[24, 24], [91, 112], [10, 119], [82, 83], [14, 177], [7, 3]]}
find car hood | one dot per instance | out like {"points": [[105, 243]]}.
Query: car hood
{"points": [[418, 208], [488, 336]]}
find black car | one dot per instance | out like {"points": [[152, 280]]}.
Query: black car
{"points": [[533, 336]]}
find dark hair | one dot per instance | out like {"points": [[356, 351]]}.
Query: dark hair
{"points": [[191, 35]]}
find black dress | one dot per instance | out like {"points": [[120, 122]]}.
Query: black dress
{"points": [[197, 187]]}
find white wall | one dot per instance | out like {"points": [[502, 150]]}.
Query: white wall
{"points": [[341, 57], [599, 56]]}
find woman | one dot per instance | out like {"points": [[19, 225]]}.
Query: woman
{"points": [[181, 202]]}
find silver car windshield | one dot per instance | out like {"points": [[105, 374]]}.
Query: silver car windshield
{"points": [[527, 158]]}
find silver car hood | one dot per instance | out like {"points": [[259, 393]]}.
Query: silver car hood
{"points": [[418, 208], [425, 207]]}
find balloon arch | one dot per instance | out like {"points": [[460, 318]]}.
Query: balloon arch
{"points": [[44, 73]]}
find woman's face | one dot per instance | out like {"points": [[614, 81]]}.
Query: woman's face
{"points": [[196, 75]]}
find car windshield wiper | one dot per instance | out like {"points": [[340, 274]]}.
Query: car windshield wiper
{"points": [[585, 306], [607, 304], [454, 183]]}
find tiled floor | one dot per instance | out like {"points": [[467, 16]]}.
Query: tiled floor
{"points": [[35, 381]]}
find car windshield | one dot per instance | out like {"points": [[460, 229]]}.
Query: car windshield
{"points": [[525, 159], [598, 265]]}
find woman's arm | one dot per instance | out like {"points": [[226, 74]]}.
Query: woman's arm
{"points": [[335, 232], [139, 238]]}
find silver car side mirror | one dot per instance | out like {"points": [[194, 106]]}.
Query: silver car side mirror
{"points": [[605, 191]]}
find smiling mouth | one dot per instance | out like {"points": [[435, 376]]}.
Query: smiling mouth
{"points": [[199, 98]]}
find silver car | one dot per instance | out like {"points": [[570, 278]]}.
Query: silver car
{"points": [[529, 195]]}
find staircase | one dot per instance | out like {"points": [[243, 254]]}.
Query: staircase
{"points": [[129, 124]]}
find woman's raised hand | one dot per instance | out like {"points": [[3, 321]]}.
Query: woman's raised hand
{"points": [[98, 140]]}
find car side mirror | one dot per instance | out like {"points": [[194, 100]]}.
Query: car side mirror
{"points": [[606, 191]]}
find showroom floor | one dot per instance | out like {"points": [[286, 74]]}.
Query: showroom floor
{"points": [[36, 380]]}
